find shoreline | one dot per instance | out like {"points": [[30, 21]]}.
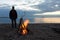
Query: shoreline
{"points": [[52, 25], [33, 23]]}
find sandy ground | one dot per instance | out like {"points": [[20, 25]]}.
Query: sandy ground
{"points": [[38, 32]]}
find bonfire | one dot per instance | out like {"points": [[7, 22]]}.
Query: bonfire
{"points": [[23, 28]]}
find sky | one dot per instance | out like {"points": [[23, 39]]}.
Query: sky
{"points": [[21, 4], [45, 7]]}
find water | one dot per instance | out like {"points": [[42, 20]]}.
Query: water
{"points": [[4, 17], [33, 20]]}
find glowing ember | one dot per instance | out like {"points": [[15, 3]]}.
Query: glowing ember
{"points": [[23, 27], [24, 32]]}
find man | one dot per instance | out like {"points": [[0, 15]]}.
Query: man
{"points": [[13, 16]]}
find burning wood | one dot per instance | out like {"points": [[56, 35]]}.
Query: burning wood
{"points": [[23, 28]]}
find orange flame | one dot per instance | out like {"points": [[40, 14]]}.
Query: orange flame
{"points": [[24, 27], [24, 32]]}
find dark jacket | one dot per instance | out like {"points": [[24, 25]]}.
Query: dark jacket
{"points": [[13, 14]]}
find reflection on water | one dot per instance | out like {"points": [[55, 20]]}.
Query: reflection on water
{"points": [[33, 20], [47, 20]]}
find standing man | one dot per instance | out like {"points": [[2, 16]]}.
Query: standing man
{"points": [[13, 16]]}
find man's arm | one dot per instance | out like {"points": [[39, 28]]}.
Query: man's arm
{"points": [[16, 14]]}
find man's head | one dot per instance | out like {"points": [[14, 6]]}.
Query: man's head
{"points": [[12, 7]]}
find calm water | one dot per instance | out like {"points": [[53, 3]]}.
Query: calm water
{"points": [[4, 17], [33, 20]]}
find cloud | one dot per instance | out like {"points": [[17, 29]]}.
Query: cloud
{"points": [[49, 6], [49, 13], [21, 4], [42, 6]]}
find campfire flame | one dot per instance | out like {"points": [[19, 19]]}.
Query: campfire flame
{"points": [[24, 27]]}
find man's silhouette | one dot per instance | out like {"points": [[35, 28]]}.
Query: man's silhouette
{"points": [[13, 16]]}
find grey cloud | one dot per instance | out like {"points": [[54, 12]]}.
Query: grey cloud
{"points": [[48, 6]]}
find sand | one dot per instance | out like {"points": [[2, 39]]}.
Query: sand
{"points": [[40, 31]]}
